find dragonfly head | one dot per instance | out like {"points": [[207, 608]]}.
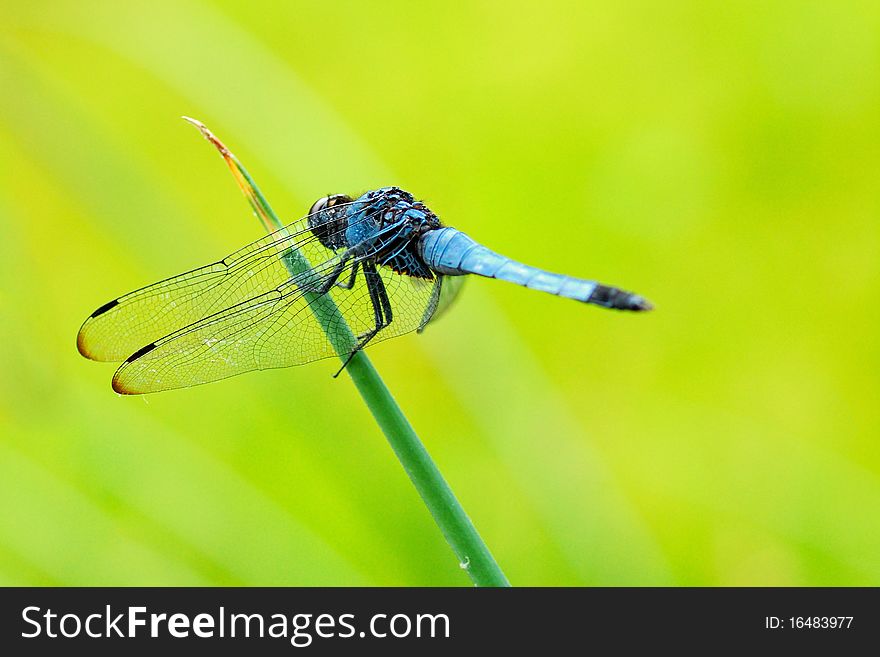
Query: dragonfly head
{"points": [[328, 222]]}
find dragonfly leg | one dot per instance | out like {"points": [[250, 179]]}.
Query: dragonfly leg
{"points": [[381, 310], [351, 279], [382, 293], [332, 279], [381, 304]]}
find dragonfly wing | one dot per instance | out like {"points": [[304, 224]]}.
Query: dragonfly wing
{"points": [[117, 329], [433, 302], [283, 327], [120, 327], [274, 329], [446, 296]]}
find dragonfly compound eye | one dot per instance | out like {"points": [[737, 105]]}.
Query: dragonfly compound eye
{"points": [[328, 222]]}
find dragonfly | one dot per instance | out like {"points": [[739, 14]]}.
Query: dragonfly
{"points": [[351, 273]]}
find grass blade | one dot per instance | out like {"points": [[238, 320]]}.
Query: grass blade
{"points": [[473, 554]]}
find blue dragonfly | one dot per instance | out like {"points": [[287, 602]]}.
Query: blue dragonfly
{"points": [[350, 273]]}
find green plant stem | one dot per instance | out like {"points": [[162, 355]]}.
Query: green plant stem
{"points": [[473, 554]]}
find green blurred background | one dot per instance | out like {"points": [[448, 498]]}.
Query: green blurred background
{"points": [[720, 158]]}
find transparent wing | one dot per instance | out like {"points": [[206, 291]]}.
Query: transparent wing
{"points": [[447, 294], [117, 329], [283, 327]]}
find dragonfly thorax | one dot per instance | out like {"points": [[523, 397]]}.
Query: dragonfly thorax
{"points": [[383, 225], [392, 221]]}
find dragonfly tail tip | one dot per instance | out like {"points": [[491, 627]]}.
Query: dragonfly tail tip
{"points": [[614, 297], [640, 304]]}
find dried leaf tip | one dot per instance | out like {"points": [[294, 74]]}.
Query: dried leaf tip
{"points": [[207, 134]]}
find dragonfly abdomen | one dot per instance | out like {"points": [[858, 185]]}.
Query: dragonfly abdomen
{"points": [[450, 252]]}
